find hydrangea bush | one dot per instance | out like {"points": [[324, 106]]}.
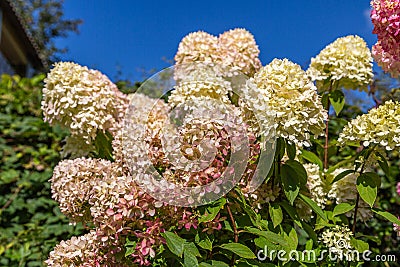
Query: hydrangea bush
{"points": [[235, 160]]}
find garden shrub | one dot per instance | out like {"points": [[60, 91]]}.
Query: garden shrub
{"points": [[30, 221]]}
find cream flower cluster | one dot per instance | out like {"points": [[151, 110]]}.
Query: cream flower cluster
{"points": [[77, 251], [337, 239], [316, 185], [197, 47], [385, 16], [345, 191], [73, 182], [86, 250], [342, 191], [82, 100], [201, 82], [239, 51], [144, 121], [234, 51], [317, 191], [281, 94], [264, 194], [346, 62], [379, 126]]}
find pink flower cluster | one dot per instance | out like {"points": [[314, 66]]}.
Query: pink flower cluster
{"points": [[398, 188], [148, 240], [396, 228], [385, 16]]}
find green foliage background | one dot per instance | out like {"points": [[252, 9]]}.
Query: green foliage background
{"points": [[31, 223]]}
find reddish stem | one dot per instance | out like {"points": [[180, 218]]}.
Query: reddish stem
{"points": [[235, 232]]}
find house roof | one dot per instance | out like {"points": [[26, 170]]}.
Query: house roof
{"points": [[21, 28]]}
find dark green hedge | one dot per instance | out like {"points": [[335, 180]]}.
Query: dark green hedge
{"points": [[31, 223]]}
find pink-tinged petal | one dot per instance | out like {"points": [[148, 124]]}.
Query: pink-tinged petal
{"points": [[152, 253], [188, 225], [145, 251], [110, 212], [118, 217]]}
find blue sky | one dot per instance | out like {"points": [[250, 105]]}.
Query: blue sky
{"points": [[132, 35]]}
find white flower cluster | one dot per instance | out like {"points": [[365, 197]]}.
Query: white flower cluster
{"points": [[144, 121], [239, 51], [264, 194], [317, 191], [337, 239], [107, 192], [380, 126], [316, 185], [347, 62], [77, 251], [201, 82], [345, 191], [282, 97], [82, 100], [342, 191], [234, 51], [73, 182], [197, 47]]}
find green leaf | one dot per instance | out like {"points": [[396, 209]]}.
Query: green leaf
{"points": [[212, 210], [313, 206], [239, 249], [324, 100], [310, 231], [191, 248], [219, 264], [298, 168], [291, 150], [189, 259], [342, 208], [129, 251], [174, 243], [272, 237], [9, 176], [374, 239], [253, 263], [388, 216], [103, 144], [337, 100], [292, 212], [290, 182], [205, 243], [383, 163], [367, 186], [263, 242], [280, 148], [311, 157], [276, 214], [342, 175], [292, 239], [309, 244], [213, 264], [359, 245]]}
